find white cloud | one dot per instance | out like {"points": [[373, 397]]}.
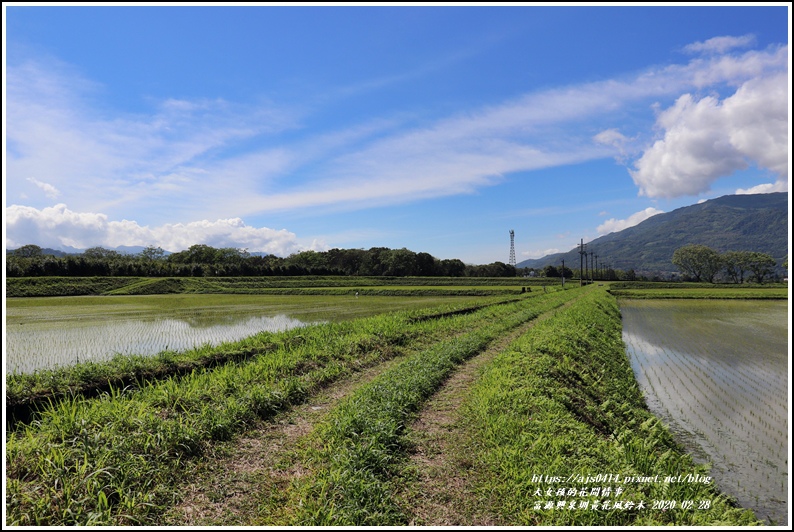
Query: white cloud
{"points": [[613, 225], [719, 45], [318, 244], [611, 137], [408, 169], [58, 226], [614, 138], [49, 190], [538, 253], [707, 139], [463, 153], [766, 188]]}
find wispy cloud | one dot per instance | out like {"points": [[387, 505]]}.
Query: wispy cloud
{"points": [[214, 159], [426, 66], [720, 45], [614, 138], [110, 160], [765, 188], [49, 190], [538, 253], [462, 153]]}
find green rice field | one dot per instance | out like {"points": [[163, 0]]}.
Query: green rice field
{"points": [[717, 373], [55, 331]]}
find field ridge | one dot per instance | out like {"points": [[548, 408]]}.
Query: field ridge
{"points": [[27, 394], [541, 382], [164, 423]]}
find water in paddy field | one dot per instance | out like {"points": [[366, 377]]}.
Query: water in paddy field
{"points": [[31, 346], [716, 372]]}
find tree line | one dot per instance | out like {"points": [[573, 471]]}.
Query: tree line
{"points": [[600, 274], [702, 264], [201, 260]]}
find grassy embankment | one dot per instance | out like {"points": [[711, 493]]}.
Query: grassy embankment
{"points": [[115, 458], [640, 290], [308, 285], [561, 401], [26, 392], [360, 449]]}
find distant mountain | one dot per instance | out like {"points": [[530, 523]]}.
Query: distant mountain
{"points": [[60, 252], [129, 250], [753, 222]]}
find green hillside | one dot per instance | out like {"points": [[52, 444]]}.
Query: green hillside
{"points": [[757, 222]]}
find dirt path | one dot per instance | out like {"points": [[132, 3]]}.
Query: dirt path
{"points": [[246, 481], [240, 479], [442, 494]]}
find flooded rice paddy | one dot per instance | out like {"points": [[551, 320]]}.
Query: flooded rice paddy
{"points": [[49, 332], [716, 372]]}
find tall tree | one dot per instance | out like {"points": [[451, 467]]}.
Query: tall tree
{"points": [[551, 271], [27, 251], [736, 264], [699, 262], [152, 253], [100, 253], [452, 267], [761, 264]]}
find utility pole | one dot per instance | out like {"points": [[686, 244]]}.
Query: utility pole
{"points": [[581, 252], [591, 266], [586, 274], [563, 274]]}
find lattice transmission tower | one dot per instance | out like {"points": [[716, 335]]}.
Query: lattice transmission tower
{"points": [[512, 248]]}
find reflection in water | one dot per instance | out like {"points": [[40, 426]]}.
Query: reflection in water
{"points": [[36, 346], [718, 377]]}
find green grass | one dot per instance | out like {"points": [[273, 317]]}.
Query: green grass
{"points": [[703, 293], [64, 286], [87, 309], [357, 464], [562, 402], [308, 285], [27, 390], [115, 459]]}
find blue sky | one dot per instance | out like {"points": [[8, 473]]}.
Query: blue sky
{"points": [[438, 129]]}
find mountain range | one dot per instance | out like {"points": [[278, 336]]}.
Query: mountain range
{"points": [[748, 222]]}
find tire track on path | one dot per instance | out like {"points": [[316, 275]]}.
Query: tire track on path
{"points": [[441, 493], [256, 470], [249, 480]]}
